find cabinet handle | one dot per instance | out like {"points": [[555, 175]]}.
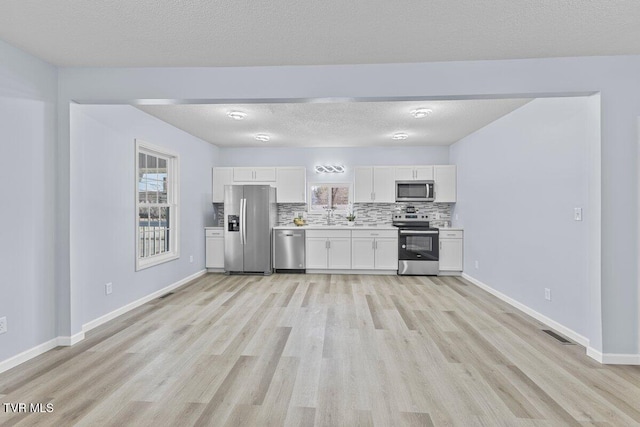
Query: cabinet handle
{"points": [[371, 196], [374, 195], [376, 243], [373, 245], [329, 244]]}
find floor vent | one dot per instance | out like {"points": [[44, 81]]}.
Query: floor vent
{"points": [[562, 339], [166, 295]]}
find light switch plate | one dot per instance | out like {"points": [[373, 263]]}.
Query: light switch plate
{"points": [[577, 214]]}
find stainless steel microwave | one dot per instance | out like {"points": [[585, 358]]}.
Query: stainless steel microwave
{"points": [[415, 191]]}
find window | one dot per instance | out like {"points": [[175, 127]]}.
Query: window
{"points": [[323, 195], [156, 205]]}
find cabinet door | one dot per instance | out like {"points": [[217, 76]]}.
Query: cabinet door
{"points": [[450, 254], [340, 253], [405, 173], [445, 183], [424, 173], [291, 184], [362, 253], [243, 174], [316, 252], [386, 253], [220, 177], [384, 184], [363, 184], [264, 174], [214, 252]]}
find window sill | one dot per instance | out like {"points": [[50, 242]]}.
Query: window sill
{"points": [[142, 264]]}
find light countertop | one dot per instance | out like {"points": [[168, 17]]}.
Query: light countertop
{"points": [[450, 228], [336, 227]]}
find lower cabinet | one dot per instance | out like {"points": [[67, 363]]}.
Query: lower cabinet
{"points": [[374, 250], [214, 248], [328, 249], [451, 246]]}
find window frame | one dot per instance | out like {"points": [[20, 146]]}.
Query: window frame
{"points": [[173, 203], [349, 185]]}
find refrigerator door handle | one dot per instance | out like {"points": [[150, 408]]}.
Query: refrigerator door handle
{"points": [[242, 221]]}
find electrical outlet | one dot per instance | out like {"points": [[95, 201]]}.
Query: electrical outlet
{"points": [[108, 288], [3, 325], [547, 294], [477, 264], [190, 258]]}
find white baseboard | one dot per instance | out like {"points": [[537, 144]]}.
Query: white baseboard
{"points": [[583, 341], [18, 359], [604, 358], [26, 355], [135, 304], [613, 358], [69, 341]]}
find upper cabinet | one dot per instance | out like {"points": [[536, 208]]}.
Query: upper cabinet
{"points": [[291, 185], [254, 174], [414, 173], [374, 184], [445, 183], [220, 178]]}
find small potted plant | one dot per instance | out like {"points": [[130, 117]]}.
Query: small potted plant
{"points": [[351, 216]]}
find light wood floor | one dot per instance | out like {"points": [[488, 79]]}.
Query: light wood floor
{"points": [[327, 351]]}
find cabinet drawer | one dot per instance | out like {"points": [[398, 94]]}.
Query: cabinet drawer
{"points": [[450, 234], [328, 233], [214, 233], [374, 233]]}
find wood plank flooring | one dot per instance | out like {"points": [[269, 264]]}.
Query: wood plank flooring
{"points": [[323, 350]]}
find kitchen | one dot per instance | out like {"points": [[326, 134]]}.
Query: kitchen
{"points": [[320, 130], [360, 249]]}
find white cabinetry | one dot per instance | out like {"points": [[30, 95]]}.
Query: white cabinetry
{"points": [[374, 184], [374, 250], [445, 183], [328, 249], [291, 184], [254, 174], [414, 173], [451, 246], [220, 177], [214, 249]]}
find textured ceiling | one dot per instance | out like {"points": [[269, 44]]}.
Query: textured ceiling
{"points": [[335, 124], [133, 33]]}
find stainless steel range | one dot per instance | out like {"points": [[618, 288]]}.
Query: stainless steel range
{"points": [[417, 244]]}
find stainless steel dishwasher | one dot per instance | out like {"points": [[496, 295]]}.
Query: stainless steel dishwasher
{"points": [[289, 251]]}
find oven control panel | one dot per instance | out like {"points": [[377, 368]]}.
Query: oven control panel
{"points": [[414, 217]]}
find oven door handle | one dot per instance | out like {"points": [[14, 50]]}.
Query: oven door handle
{"points": [[417, 232]]}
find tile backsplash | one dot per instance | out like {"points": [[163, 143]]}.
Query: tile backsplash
{"points": [[366, 213]]}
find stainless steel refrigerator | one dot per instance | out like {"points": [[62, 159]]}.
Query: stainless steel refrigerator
{"points": [[249, 217]]}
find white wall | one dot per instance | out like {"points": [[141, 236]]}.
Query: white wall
{"points": [[348, 157], [106, 233], [28, 91], [519, 180], [616, 78]]}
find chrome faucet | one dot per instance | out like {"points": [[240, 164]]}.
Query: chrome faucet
{"points": [[329, 210]]}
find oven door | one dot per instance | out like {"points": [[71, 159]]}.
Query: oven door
{"points": [[418, 245]]}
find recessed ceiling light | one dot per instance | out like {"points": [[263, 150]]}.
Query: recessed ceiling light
{"points": [[399, 136], [236, 115], [262, 137], [419, 113]]}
